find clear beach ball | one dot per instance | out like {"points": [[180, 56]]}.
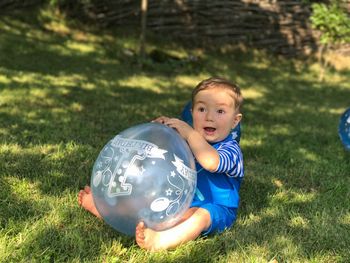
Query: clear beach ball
{"points": [[145, 173]]}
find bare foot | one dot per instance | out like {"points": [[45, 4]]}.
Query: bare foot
{"points": [[193, 223], [147, 238], [86, 201]]}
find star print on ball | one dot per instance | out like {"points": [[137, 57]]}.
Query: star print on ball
{"points": [[145, 173], [344, 129]]}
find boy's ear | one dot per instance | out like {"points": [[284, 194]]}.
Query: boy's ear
{"points": [[237, 119]]}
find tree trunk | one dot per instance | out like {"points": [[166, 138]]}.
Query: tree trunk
{"points": [[144, 4], [322, 61]]}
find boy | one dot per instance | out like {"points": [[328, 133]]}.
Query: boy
{"points": [[219, 162]]}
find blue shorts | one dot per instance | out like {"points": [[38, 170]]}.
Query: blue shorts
{"points": [[222, 217]]}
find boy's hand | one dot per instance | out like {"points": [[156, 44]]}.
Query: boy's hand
{"points": [[182, 127], [161, 119], [205, 154]]}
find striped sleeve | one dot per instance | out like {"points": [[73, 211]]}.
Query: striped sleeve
{"points": [[231, 159]]}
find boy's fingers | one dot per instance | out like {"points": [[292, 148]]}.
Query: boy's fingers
{"points": [[161, 119]]}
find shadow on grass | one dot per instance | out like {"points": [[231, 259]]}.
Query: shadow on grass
{"points": [[76, 116], [68, 239], [13, 208]]}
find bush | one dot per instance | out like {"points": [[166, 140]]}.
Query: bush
{"points": [[333, 22]]}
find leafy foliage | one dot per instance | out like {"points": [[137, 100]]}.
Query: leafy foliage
{"points": [[333, 22]]}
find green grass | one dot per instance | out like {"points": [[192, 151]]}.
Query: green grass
{"points": [[64, 92]]}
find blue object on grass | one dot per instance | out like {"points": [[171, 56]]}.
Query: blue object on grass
{"points": [[186, 116], [344, 129]]}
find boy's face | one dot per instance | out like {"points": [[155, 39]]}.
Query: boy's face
{"points": [[214, 114]]}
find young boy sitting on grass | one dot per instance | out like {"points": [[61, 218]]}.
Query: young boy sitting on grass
{"points": [[219, 163]]}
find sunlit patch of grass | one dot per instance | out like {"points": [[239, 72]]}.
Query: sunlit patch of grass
{"points": [[188, 81], [337, 111], [345, 219], [4, 79], [251, 219], [286, 246], [15, 27], [285, 197], [309, 155], [251, 253], [252, 93], [81, 47], [23, 189], [299, 222], [280, 129], [256, 142], [13, 148], [146, 82]]}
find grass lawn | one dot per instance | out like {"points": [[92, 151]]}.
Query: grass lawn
{"points": [[64, 92]]}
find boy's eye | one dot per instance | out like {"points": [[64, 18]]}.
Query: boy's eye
{"points": [[201, 109], [221, 111]]}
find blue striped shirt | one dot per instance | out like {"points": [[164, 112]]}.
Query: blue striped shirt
{"points": [[222, 186], [231, 159]]}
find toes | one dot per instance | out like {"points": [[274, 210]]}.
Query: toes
{"points": [[139, 232], [87, 189], [140, 225], [80, 197], [140, 236], [82, 193]]}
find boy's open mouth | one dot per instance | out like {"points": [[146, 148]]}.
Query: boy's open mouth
{"points": [[209, 129]]}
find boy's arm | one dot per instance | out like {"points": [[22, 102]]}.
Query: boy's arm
{"points": [[205, 154]]}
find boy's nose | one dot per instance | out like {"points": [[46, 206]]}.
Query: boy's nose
{"points": [[209, 116]]}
